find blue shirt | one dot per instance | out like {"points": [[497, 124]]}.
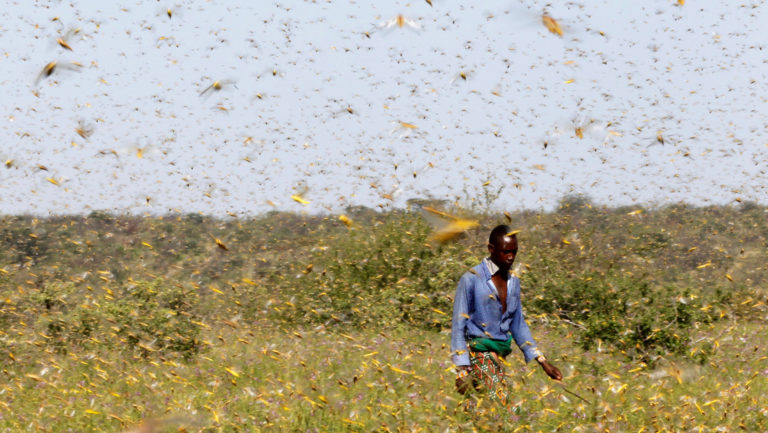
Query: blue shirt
{"points": [[477, 314]]}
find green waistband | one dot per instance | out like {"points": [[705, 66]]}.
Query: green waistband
{"points": [[501, 347]]}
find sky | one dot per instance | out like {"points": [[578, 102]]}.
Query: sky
{"points": [[637, 103]]}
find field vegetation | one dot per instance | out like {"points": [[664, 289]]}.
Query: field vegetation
{"points": [[288, 322]]}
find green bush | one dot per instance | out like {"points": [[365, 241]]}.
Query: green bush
{"points": [[388, 274], [51, 296], [154, 316], [145, 317], [23, 242], [622, 310]]}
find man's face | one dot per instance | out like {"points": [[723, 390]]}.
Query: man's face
{"points": [[503, 252]]}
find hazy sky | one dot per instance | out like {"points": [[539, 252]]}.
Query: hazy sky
{"points": [[313, 92]]}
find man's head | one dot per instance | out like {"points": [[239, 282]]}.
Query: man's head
{"points": [[502, 247]]}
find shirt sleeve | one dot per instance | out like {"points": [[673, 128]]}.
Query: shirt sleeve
{"points": [[522, 334], [459, 352]]}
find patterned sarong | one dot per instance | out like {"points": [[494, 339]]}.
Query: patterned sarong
{"points": [[488, 376]]}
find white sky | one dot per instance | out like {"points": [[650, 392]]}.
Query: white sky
{"points": [[695, 74]]}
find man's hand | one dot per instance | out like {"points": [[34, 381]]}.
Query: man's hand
{"points": [[550, 369], [463, 380]]}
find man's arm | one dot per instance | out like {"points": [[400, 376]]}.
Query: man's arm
{"points": [[459, 353], [526, 343], [521, 333]]}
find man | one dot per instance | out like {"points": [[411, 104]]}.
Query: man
{"points": [[487, 315]]}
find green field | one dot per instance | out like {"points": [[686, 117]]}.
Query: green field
{"points": [[302, 323]]}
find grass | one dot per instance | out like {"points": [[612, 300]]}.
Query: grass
{"points": [[259, 378], [148, 324]]}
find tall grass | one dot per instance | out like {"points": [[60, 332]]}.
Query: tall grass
{"points": [[298, 323]]}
